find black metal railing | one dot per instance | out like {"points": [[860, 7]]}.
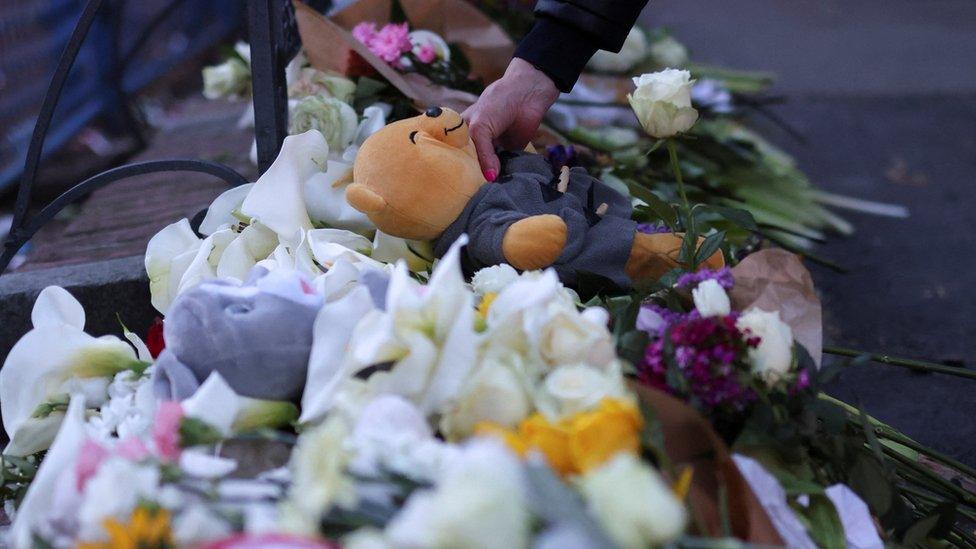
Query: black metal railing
{"points": [[274, 41]]}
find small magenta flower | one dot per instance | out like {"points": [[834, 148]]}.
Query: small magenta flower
{"points": [[426, 54]]}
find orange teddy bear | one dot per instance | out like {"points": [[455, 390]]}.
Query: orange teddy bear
{"points": [[419, 179]]}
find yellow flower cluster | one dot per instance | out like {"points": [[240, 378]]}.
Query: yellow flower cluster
{"points": [[147, 529], [578, 443]]}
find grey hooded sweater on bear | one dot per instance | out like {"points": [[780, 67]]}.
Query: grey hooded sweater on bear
{"points": [[598, 244]]}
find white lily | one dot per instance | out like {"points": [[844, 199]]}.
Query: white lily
{"points": [[427, 331], [329, 246], [255, 243], [51, 362], [390, 249], [221, 212], [327, 364], [277, 198], [325, 199], [168, 254]]}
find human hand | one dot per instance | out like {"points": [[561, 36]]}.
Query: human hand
{"points": [[509, 112]]}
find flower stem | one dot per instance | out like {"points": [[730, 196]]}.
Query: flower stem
{"points": [[912, 364], [673, 154]]}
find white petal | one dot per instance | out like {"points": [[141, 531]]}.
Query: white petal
{"points": [[220, 212], [214, 403], [390, 249], [253, 244], [55, 305], [325, 199], [374, 118], [332, 331], [168, 254], [40, 497], [200, 464], [41, 361], [277, 199]]}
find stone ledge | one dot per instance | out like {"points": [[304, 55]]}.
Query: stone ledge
{"points": [[105, 289]]}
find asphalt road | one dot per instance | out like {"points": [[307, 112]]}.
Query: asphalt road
{"points": [[885, 94]]}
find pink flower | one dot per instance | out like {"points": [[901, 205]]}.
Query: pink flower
{"points": [[90, 458], [166, 430], [364, 32], [282, 541], [132, 449], [426, 53], [391, 42]]}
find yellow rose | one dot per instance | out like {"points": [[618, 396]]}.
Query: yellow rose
{"points": [[599, 435], [551, 439], [578, 443]]}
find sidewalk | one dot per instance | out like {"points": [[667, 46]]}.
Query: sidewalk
{"points": [[118, 220]]}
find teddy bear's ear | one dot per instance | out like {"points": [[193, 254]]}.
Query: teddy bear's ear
{"points": [[364, 199]]}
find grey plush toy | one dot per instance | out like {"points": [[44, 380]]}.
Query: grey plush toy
{"points": [[258, 336]]}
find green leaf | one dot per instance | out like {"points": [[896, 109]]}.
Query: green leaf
{"points": [[194, 432], [711, 244], [740, 217], [688, 244], [664, 211], [869, 480], [824, 524]]}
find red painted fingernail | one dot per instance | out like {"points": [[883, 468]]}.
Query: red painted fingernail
{"points": [[490, 175]]}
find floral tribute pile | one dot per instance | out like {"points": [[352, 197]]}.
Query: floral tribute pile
{"points": [[502, 411]]}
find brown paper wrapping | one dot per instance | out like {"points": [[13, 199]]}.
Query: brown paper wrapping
{"points": [[689, 440], [330, 45], [776, 280]]}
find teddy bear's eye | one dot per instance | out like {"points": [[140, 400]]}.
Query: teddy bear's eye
{"points": [[433, 112], [238, 309], [412, 135]]}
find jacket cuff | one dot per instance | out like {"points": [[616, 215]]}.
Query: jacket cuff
{"points": [[558, 50]]}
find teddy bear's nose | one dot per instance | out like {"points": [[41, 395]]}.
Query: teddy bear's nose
{"points": [[433, 112]]}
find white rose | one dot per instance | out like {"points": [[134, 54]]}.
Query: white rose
{"points": [[668, 52], [232, 78], [570, 337], [772, 359], [632, 52], [496, 394], [710, 299], [478, 501], [335, 119], [662, 102], [577, 388], [633, 503], [493, 279]]}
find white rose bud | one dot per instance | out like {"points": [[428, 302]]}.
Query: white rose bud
{"points": [[577, 388], [335, 119], [668, 52], [772, 359], [493, 279], [632, 52], [570, 337], [228, 79], [633, 503], [710, 299], [495, 394], [662, 102]]}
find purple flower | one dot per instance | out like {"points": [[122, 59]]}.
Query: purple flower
{"points": [[561, 155], [723, 276], [710, 353], [652, 228]]}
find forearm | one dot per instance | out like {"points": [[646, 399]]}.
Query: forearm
{"points": [[568, 32]]}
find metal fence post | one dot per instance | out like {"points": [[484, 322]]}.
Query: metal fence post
{"points": [[273, 36]]}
